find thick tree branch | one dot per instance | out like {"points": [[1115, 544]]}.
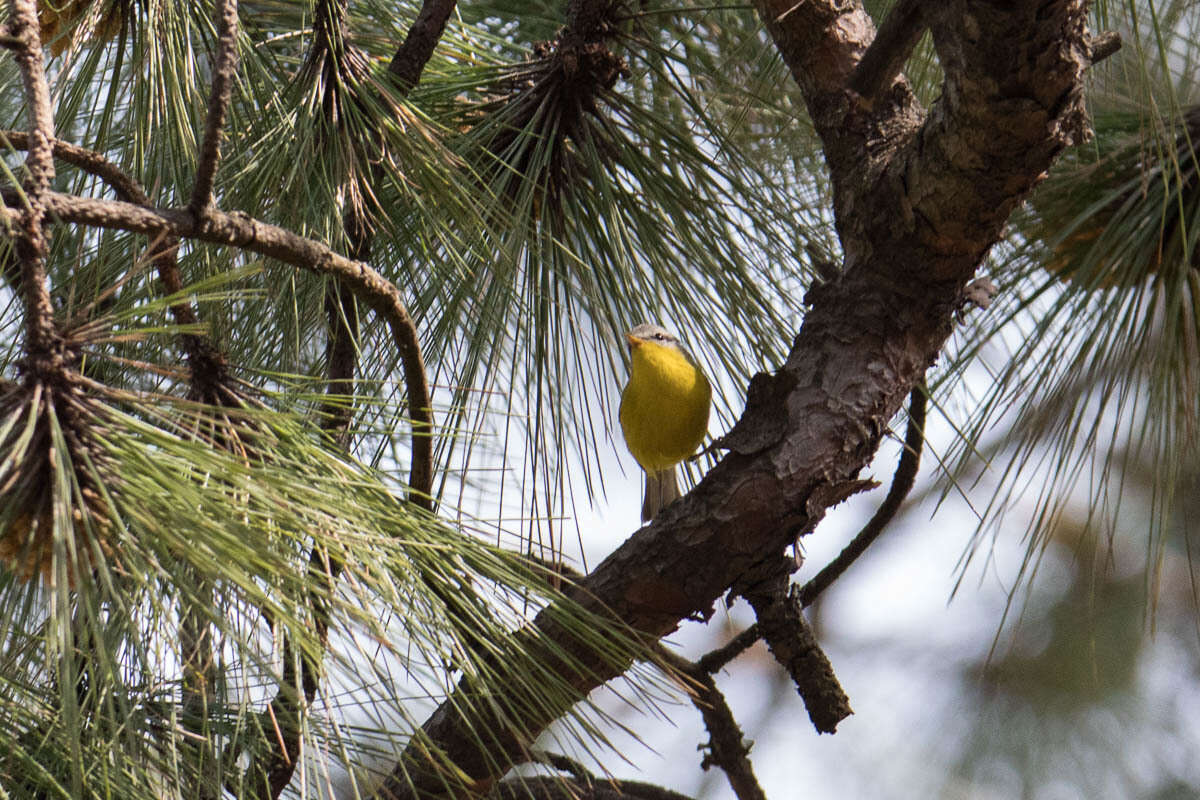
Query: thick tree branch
{"points": [[822, 43], [223, 76], [913, 235]]}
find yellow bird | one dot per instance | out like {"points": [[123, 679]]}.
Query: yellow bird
{"points": [[664, 410]]}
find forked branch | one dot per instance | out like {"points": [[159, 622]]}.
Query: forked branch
{"points": [[244, 232], [207, 362]]}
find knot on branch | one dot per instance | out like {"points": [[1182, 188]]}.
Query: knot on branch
{"points": [[209, 370], [582, 68], [52, 361]]}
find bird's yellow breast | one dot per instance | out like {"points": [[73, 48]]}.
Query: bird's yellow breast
{"points": [[664, 407]]}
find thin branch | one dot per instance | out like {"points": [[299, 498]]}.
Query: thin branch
{"points": [[89, 161], [341, 360], [893, 44], [242, 231], [341, 310], [784, 629], [31, 244], [715, 660], [410, 59], [902, 483], [406, 65], [224, 74], [285, 708], [199, 674], [727, 748]]}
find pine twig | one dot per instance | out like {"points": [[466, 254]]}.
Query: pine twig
{"points": [[329, 45], [207, 364], [411, 57], [726, 745], [715, 660], [902, 483], [242, 231], [224, 73], [341, 309], [406, 65]]}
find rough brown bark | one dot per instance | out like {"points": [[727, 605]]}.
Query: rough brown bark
{"points": [[918, 203]]}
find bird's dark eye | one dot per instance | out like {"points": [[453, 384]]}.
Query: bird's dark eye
{"points": [[660, 336]]}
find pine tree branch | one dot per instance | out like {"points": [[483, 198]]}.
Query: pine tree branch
{"points": [[411, 57], [884, 59], [330, 51], [407, 64], [30, 239], [782, 626], [207, 365], [223, 75], [902, 483], [341, 311], [242, 231], [716, 660], [91, 162], [727, 748], [1104, 45]]}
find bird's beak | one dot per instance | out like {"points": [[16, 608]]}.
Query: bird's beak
{"points": [[631, 341]]}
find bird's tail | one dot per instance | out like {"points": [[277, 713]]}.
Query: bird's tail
{"points": [[661, 491]]}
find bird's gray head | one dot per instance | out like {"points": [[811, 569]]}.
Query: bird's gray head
{"points": [[647, 332]]}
